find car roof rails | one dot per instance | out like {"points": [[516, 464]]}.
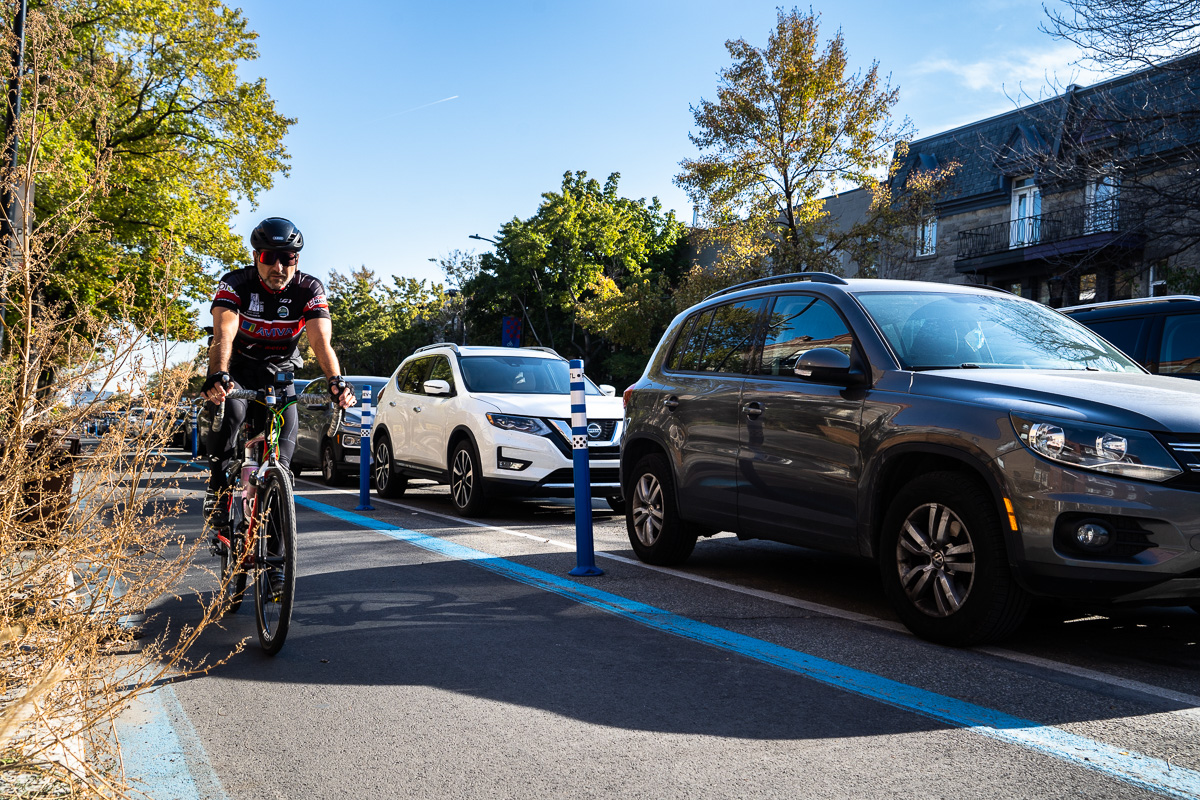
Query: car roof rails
{"points": [[1137, 301], [451, 345], [550, 350], [815, 277]]}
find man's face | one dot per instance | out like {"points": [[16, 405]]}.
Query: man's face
{"points": [[276, 267]]}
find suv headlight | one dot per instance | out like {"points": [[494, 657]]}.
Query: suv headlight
{"points": [[508, 422], [1116, 451], [350, 440]]}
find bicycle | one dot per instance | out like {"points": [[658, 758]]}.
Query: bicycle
{"points": [[259, 537]]}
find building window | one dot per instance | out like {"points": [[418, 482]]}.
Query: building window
{"points": [[1100, 198], [1087, 287], [1158, 279], [927, 236], [1026, 218]]}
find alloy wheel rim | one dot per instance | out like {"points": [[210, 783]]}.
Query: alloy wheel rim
{"points": [[462, 479], [647, 509], [935, 557], [383, 466]]}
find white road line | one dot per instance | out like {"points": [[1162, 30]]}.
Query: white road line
{"points": [[831, 611]]}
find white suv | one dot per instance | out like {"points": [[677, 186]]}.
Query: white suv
{"points": [[488, 421]]}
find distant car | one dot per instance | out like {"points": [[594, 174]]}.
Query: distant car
{"points": [[335, 452], [491, 420], [1160, 333]]}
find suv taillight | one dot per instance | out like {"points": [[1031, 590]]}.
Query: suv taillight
{"points": [[626, 396]]}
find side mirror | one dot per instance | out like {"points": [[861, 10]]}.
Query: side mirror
{"points": [[826, 365], [437, 387], [608, 390]]}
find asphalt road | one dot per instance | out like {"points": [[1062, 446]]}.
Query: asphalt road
{"points": [[435, 657]]}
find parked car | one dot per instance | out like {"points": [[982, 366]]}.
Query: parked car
{"points": [[320, 445], [982, 448], [491, 421], [1160, 333]]}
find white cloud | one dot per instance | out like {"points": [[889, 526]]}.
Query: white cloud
{"points": [[1029, 71]]}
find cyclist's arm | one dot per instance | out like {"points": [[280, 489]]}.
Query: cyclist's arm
{"points": [[320, 331], [225, 328]]}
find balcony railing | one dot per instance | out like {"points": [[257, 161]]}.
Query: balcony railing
{"points": [[1055, 226]]}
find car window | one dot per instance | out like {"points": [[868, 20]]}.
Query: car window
{"points": [[691, 346], [681, 341], [1180, 352], [441, 372], [936, 330], [376, 389], [1123, 333], [517, 374], [317, 387], [410, 382], [797, 324], [730, 337]]}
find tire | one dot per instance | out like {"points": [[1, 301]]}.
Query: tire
{"points": [[467, 490], [276, 550], [387, 482], [233, 577], [944, 565], [656, 531], [329, 470], [616, 503]]}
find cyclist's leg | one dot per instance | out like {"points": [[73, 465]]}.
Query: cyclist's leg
{"points": [[222, 447], [287, 436]]}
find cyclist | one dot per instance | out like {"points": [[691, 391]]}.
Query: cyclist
{"points": [[258, 314]]}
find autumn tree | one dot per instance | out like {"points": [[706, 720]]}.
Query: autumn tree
{"points": [[790, 125]]}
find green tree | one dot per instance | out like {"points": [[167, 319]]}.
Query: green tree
{"points": [[170, 141], [790, 125], [377, 325], [589, 272]]}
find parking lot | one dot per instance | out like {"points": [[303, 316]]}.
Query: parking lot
{"points": [[437, 656]]}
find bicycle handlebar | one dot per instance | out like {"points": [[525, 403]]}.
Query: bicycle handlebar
{"points": [[335, 424]]}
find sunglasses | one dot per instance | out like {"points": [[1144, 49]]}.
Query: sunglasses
{"points": [[288, 258]]}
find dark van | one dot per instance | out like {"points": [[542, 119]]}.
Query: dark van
{"points": [[1160, 333]]}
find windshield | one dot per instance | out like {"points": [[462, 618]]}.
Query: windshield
{"points": [[519, 375], [375, 387], [934, 330]]}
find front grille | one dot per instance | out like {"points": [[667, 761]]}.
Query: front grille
{"points": [[567, 476], [1184, 448], [607, 426]]}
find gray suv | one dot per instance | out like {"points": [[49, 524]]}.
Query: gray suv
{"points": [[983, 449]]}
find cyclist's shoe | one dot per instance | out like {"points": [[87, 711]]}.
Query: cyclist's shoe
{"points": [[275, 577]]}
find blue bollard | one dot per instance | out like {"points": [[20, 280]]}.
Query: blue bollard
{"points": [[195, 431], [585, 549], [364, 453]]}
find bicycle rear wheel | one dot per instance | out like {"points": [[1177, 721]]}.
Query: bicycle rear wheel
{"points": [[275, 578]]}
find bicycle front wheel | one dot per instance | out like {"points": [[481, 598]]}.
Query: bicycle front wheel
{"points": [[275, 580]]}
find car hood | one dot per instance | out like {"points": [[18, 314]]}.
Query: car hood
{"points": [[1128, 400], [553, 406]]}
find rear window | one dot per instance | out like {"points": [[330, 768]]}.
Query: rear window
{"points": [[720, 340], [1124, 333]]}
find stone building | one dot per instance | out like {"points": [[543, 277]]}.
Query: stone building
{"points": [[1091, 195]]}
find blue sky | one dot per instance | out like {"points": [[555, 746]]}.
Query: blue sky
{"points": [[388, 172]]}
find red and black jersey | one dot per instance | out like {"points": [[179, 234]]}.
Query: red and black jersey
{"points": [[270, 322]]}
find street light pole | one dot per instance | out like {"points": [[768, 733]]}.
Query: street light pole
{"points": [[11, 114], [520, 301]]}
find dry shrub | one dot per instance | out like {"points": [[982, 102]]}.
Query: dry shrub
{"points": [[87, 543]]}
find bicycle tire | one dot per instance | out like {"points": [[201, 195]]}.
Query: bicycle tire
{"points": [[276, 550], [233, 576]]}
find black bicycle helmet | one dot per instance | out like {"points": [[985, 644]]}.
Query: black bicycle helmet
{"points": [[276, 233]]}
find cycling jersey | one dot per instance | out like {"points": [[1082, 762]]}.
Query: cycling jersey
{"points": [[270, 323]]}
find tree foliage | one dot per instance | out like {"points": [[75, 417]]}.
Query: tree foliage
{"points": [[790, 125], [173, 142], [588, 271], [377, 325]]}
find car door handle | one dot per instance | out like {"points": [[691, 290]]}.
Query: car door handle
{"points": [[392, 403], [417, 409], [752, 409], [671, 402]]}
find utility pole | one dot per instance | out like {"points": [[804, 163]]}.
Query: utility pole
{"points": [[8, 199]]}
